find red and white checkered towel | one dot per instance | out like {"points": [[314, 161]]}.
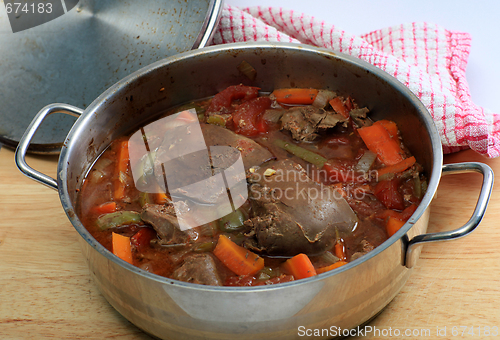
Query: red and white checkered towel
{"points": [[429, 59]]}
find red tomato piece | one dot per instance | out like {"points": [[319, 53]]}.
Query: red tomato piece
{"points": [[349, 103], [387, 193], [406, 214], [262, 126], [339, 107], [221, 102], [248, 115], [142, 238]]}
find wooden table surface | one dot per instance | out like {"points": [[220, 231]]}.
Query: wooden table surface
{"points": [[46, 291]]}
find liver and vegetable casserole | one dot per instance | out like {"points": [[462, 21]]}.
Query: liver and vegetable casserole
{"points": [[248, 188]]}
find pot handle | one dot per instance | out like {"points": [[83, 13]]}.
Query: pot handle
{"points": [[467, 228], [22, 147]]}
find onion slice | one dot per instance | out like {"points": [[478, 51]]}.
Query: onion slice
{"points": [[366, 161], [322, 98], [273, 115]]}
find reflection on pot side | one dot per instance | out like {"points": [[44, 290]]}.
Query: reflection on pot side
{"points": [[215, 190]]}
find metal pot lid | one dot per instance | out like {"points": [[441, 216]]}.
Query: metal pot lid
{"points": [[74, 53]]}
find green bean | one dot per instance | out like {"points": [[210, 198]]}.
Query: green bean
{"points": [[237, 237], [417, 187], [116, 219], [144, 198], [232, 221], [424, 187], [302, 153], [386, 177], [204, 247]]}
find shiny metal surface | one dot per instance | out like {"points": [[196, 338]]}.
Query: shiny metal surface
{"points": [[467, 228], [77, 56], [22, 147], [345, 297]]}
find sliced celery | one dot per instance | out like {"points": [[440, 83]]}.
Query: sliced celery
{"points": [[302, 153], [118, 218]]}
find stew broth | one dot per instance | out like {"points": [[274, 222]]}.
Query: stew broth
{"points": [[319, 185]]}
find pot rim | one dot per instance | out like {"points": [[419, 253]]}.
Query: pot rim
{"points": [[434, 176]]}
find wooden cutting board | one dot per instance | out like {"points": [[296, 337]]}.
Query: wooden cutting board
{"points": [[46, 291]]}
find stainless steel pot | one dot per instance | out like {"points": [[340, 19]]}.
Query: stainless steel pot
{"points": [[340, 299]]}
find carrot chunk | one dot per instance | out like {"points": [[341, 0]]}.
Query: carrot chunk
{"points": [[398, 167], [339, 107], [295, 96], [240, 260], [390, 126], [393, 225], [300, 266], [331, 267], [122, 247], [105, 208], [378, 140], [339, 250], [161, 198]]}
